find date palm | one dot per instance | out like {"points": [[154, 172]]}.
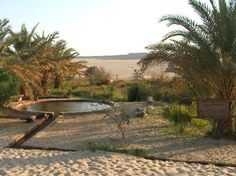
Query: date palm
{"points": [[204, 53], [20, 58], [65, 64], [44, 60], [4, 42]]}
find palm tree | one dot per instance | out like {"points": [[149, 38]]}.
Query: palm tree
{"points": [[67, 68], [44, 60], [65, 65], [20, 57], [204, 54], [4, 42]]}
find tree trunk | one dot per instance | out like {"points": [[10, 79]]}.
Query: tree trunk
{"points": [[44, 84], [23, 90], [57, 82], [123, 138], [223, 127], [26, 94]]}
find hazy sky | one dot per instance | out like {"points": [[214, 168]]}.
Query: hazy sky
{"points": [[97, 27]]}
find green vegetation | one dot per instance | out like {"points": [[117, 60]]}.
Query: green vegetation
{"points": [[179, 120], [205, 54], [8, 86], [203, 58], [37, 60], [176, 90], [81, 88], [97, 76], [178, 115], [140, 89], [92, 146]]}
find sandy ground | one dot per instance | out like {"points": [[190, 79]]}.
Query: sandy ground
{"points": [[10, 129], [76, 132], [123, 68], [53, 163], [144, 133]]}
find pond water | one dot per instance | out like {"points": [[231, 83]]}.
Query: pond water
{"points": [[67, 106]]}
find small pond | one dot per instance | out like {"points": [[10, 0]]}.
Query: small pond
{"points": [[67, 106]]}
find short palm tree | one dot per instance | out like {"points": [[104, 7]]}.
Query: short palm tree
{"points": [[65, 65], [21, 54], [204, 54]]}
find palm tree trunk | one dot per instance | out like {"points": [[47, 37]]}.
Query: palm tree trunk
{"points": [[57, 82], [23, 91], [44, 83]]}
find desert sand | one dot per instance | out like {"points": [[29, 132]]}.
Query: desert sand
{"points": [[144, 133], [53, 163], [123, 68]]}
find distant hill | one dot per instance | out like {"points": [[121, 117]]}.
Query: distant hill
{"points": [[130, 56]]}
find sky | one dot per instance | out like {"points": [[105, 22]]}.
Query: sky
{"points": [[97, 27]]}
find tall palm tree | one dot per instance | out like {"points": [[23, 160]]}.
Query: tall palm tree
{"points": [[204, 54]]}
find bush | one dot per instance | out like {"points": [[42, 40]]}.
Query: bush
{"points": [[178, 115], [174, 91], [97, 76], [138, 91], [59, 92], [119, 95], [8, 85], [92, 146], [201, 123]]}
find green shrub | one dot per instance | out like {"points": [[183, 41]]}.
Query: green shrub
{"points": [[119, 95], [165, 95], [8, 85], [138, 91], [116, 91], [178, 115], [169, 95], [92, 146], [59, 92], [97, 76], [174, 91], [200, 123], [139, 153], [81, 92]]}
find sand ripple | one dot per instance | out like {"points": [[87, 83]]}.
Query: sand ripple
{"points": [[38, 162]]}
